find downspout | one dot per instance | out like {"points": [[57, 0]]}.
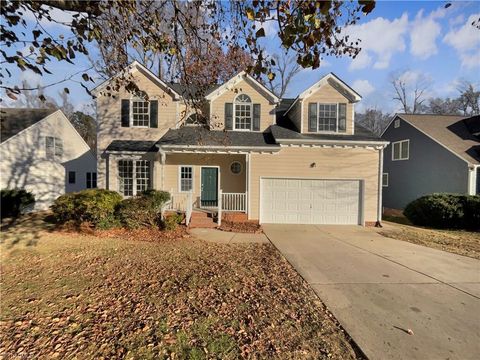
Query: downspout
{"points": [[380, 188], [162, 162]]}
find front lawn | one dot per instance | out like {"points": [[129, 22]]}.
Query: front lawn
{"points": [[77, 296], [459, 242]]}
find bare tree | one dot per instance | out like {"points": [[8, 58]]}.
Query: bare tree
{"points": [[285, 68], [444, 106], [410, 91], [469, 98], [373, 119]]}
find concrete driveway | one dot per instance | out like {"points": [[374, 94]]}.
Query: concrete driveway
{"points": [[378, 288]]}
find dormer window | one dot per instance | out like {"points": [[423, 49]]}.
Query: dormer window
{"points": [[243, 112], [327, 117], [140, 113]]}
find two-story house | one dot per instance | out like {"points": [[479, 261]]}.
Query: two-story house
{"points": [[430, 153], [43, 153], [299, 161]]}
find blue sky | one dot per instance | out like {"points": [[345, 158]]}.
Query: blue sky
{"points": [[413, 39]]}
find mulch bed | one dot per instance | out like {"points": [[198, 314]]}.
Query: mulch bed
{"points": [[241, 227]]}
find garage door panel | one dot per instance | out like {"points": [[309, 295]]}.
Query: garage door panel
{"points": [[310, 201]]}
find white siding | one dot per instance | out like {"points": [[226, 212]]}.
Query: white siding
{"points": [[24, 163]]}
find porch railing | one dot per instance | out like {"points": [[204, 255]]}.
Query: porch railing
{"points": [[227, 201], [234, 202]]}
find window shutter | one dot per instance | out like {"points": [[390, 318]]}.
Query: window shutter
{"points": [[256, 117], [312, 117], [154, 113], [342, 117], [125, 113], [228, 116]]}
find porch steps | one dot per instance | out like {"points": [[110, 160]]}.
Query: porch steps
{"points": [[202, 219]]}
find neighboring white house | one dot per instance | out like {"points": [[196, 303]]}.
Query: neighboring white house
{"points": [[42, 152]]}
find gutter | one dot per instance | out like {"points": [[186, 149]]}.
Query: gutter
{"points": [[214, 147], [329, 142]]}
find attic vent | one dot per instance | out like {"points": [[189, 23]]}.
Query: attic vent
{"points": [[396, 124]]}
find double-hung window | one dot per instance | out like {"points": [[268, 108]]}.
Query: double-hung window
{"points": [[400, 150], [243, 113], [53, 147], [385, 179], [186, 178], [140, 113], [91, 180], [133, 176], [327, 117]]}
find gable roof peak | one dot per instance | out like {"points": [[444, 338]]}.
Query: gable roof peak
{"points": [[132, 66], [234, 79]]}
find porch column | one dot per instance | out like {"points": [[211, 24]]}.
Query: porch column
{"points": [[247, 187]]}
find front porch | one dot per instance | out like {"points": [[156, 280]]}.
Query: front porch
{"points": [[215, 183]]}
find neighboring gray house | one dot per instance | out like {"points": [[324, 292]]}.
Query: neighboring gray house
{"points": [[41, 152], [428, 154]]}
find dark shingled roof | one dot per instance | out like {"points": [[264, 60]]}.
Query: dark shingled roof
{"points": [[191, 91], [361, 134], [132, 146], [14, 120], [199, 136]]}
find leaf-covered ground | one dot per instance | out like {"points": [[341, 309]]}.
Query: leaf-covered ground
{"points": [[76, 296], [466, 243]]}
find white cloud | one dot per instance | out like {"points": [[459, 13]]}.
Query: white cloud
{"points": [[361, 61], [57, 15], [31, 78], [363, 87], [380, 39], [465, 40], [423, 35], [270, 27]]}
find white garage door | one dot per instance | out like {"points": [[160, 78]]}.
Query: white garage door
{"points": [[308, 201]]}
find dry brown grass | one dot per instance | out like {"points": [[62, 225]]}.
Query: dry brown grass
{"points": [[459, 242]]}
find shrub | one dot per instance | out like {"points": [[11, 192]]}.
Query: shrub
{"points": [[472, 212], [172, 221], [143, 210], [444, 211], [96, 206], [15, 201]]}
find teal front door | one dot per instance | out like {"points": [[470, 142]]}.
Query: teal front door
{"points": [[209, 190]]}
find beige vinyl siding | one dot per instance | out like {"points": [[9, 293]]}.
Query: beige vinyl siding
{"points": [[330, 163], [229, 183], [327, 94], [217, 105], [295, 115], [109, 118]]}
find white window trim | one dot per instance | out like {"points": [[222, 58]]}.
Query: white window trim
{"points": [[336, 125], [241, 168], [385, 183], [134, 175], [180, 178], [396, 123], [400, 152], [131, 113], [234, 112], [55, 139]]}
